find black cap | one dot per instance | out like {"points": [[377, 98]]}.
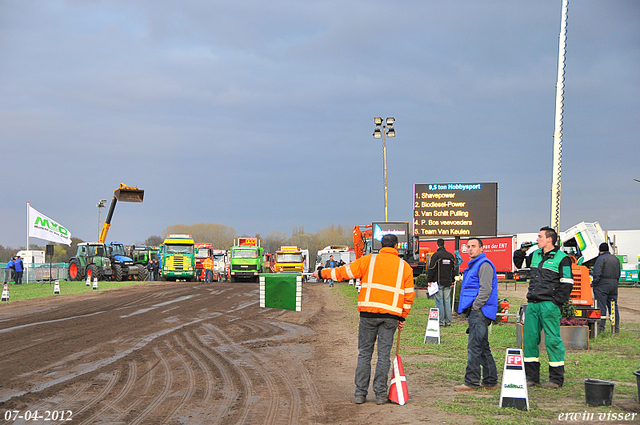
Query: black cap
{"points": [[604, 247]]}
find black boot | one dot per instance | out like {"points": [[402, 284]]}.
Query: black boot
{"points": [[556, 375], [532, 370]]}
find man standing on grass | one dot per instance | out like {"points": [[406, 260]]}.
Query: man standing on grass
{"points": [[606, 274], [442, 269], [549, 288], [479, 301], [384, 301]]}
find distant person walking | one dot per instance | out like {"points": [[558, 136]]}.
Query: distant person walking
{"points": [[19, 266], [606, 274], [442, 269], [331, 264], [479, 301], [156, 270], [208, 269]]}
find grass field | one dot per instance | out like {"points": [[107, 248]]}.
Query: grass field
{"points": [[610, 359], [39, 289]]}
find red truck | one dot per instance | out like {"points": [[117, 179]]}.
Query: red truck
{"points": [[204, 250], [498, 249]]}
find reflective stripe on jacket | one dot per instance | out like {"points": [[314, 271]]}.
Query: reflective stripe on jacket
{"points": [[386, 279], [207, 264]]}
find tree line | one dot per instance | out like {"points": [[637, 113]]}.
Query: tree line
{"points": [[219, 235]]}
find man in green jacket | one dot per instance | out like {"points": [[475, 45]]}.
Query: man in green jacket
{"points": [[549, 288]]}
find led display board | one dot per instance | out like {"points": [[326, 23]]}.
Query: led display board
{"points": [[455, 209], [400, 229]]}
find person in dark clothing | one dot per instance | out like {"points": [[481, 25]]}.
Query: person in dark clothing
{"points": [[549, 288], [442, 269], [19, 266], [150, 270], [606, 274], [156, 269]]}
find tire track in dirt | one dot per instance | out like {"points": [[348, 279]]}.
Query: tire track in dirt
{"points": [[111, 405], [168, 381], [191, 383], [115, 376], [231, 395], [241, 355], [208, 378]]}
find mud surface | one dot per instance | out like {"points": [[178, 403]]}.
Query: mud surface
{"points": [[184, 353]]}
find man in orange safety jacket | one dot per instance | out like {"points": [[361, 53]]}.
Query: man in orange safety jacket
{"points": [[384, 302], [208, 269]]}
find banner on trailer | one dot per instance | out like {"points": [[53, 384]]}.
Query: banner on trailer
{"points": [[281, 290]]}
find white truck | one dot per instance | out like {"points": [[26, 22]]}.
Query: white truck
{"points": [[339, 252]]}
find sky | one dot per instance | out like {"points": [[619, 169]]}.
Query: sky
{"points": [[259, 115]]}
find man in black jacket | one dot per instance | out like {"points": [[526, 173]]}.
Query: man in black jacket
{"points": [[442, 269], [606, 274]]}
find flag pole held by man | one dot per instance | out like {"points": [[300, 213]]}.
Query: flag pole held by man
{"points": [[384, 301]]}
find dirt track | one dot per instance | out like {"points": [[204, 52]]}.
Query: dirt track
{"points": [[184, 353]]}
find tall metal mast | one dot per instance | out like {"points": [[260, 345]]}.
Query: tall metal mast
{"points": [[557, 135]]}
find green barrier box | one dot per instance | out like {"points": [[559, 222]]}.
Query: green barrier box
{"points": [[281, 290]]}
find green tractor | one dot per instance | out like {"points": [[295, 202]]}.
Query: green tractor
{"points": [[91, 258]]}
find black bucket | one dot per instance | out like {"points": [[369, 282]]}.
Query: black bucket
{"points": [[598, 393], [637, 373]]}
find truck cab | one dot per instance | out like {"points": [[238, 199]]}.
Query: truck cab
{"points": [[289, 260], [178, 258], [246, 260], [203, 251]]}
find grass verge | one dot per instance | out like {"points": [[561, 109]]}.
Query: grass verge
{"points": [[40, 290], [443, 365]]}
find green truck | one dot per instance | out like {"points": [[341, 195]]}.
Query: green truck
{"points": [[178, 258], [246, 260]]}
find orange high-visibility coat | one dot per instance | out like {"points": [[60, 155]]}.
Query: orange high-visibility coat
{"points": [[386, 279], [208, 263]]}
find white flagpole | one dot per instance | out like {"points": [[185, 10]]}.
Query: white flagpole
{"points": [[27, 280]]}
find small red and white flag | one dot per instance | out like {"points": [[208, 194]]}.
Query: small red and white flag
{"points": [[398, 390]]}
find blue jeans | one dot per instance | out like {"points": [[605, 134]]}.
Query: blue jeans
{"points": [[368, 331], [479, 353], [443, 303]]}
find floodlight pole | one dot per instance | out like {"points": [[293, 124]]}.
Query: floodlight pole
{"points": [[381, 131], [557, 135]]}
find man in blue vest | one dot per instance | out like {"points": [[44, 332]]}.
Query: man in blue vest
{"points": [[479, 301], [549, 288], [19, 265]]}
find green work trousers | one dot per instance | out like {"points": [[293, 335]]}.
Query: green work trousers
{"points": [[543, 315]]}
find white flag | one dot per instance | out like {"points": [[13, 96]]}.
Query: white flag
{"points": [[41, 226]]}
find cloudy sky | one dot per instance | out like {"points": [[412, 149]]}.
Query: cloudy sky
{"points": [[259, 115]]}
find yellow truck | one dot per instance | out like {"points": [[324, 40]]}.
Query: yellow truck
{"points": [[289, 260]]}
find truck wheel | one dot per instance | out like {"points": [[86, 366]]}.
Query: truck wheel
{"points": [[143, 274], [232, 279], [75, 270], [117, 272], [96, 273]]}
